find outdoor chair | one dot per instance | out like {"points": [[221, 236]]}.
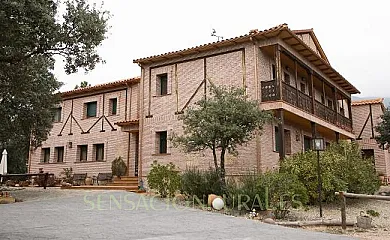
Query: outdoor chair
{"points": [[79, 178], [104, 177]]}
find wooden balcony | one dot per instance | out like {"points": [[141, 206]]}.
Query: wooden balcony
{"points": [[270, 92]]}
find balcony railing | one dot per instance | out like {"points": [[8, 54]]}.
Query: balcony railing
{"points": [[270, 92]]}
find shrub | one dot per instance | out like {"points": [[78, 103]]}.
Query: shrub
{"points": [[342, 169], [118, 167], [201, 183], [165, 179], [67, 175], [270, 190]]}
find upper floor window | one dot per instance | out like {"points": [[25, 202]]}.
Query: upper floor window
{"points": [[162, 84], [57, 114], [330, 103], [273, 72], [287, 78], [113, 106], [90, 109], [303, 87]]}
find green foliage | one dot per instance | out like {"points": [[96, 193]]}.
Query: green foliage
{"points": [[67, 175], [383, 128], [83, 84], [342, 169], [32, 33], [165, 179], [200, 183], [270, 190], [118, 167], [223, 121], [373, 213]]}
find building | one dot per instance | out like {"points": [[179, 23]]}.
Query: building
{"points": [[286, 71], [366, 115], [84, 136]]}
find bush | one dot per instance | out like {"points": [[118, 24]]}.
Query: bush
{"points": [[342, 169], [67, 175], [270, 190], [165, 179], [201, 183], [118, 167]]}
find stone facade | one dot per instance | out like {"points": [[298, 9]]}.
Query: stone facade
{"points": [[366, 115]]}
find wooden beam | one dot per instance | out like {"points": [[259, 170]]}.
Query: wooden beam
{"points": [[282, 152], [278, 65]]}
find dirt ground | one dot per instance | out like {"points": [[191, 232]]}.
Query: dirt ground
{"points": [[381, 224]]}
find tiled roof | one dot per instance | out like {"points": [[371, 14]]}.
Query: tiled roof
{"points": [[282, 31], [100, 87], [368, 101], [127, 123], [207, 45]]}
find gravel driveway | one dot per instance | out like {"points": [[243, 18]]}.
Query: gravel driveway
{"points": [[75, 214]]}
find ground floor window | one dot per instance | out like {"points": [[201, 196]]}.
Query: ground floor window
{"points": [[59, 154], [369, 153], [45, 155], [161, 143], [287, 140], [82, 153], [99, 152], [306, 143]]}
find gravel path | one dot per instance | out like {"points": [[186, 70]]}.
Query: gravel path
{"points": [[67, 214]]}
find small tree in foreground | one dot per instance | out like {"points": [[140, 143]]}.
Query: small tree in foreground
{"points": [[221, 123], [383, 129]]}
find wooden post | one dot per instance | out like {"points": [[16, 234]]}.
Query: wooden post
{"points": [[278, 66], [282, 150], [45, 180], [343, 211], [313, 129], [337, 137], [312, 92], [323, 92], [296, 78]]}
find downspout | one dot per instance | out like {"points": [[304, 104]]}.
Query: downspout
{"points": [[257, 96], [141, 123]]}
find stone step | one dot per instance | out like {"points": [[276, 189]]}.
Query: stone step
{"points": [[123, 184]]}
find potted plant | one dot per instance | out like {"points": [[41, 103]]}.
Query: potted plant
{"points": [[118, 167]]}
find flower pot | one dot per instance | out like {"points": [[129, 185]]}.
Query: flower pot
{"points": [[88, 181]]}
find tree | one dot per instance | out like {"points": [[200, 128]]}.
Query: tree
{"points": [[33, 33], [383, 129], [222, 122], [83, 84]]}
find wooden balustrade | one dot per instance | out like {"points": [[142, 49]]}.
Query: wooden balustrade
{"points": [[270, 92]]}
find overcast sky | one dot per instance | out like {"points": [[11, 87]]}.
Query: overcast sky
{"points": [[353, 34]]}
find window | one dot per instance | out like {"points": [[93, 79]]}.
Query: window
{"points": [[322, 99], [113, 106], [161, 142], [287, 78], [287, 141], [277, 139], [90, 109], [273, 72], [369, 154], [306, 143], [59, 154], [330, 104], [45, 155], [162, 84], [82, 152], [303, 87], [57, 114], [99, 152]]}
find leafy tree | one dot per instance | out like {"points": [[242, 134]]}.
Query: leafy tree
{"points": [[383, 129], [221, 122], [33, 33], [83, 84]]}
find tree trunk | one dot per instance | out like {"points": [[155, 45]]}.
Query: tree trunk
{"points": [[215, 159], [223, 151]]}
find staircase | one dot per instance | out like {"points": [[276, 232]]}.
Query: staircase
{"points": [[128, 183]]}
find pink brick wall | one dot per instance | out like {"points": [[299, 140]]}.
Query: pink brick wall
{"points": [[115, 142]]}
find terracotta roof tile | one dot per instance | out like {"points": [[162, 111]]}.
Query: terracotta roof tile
{"points": [[368, 101], [99, 87], [127, 123]]}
